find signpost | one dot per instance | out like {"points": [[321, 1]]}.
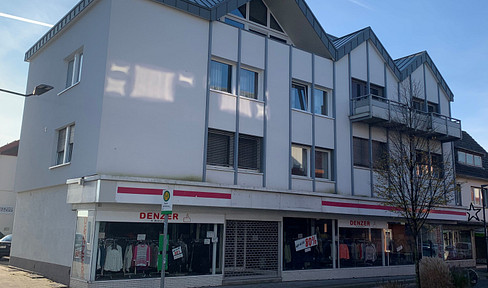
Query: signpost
{"points": [[166, 210]]}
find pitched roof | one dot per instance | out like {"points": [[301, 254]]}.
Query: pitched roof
{"points": [[468, 144], [11, 149], [336, 47]]}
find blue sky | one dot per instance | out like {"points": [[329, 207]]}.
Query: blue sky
{"points": [[454, 33]]}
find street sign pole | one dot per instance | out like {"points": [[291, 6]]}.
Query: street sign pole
{"points": [[166, 210], [165, 233]]}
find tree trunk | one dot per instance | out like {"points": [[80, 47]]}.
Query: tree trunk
{"points": [[416, 260]]}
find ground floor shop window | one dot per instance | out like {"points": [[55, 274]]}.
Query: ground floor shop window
{"points": [[131, 250], [457, 244], [360, 247], [432, 244], [399, 244], [307, 244], [83, 245]]}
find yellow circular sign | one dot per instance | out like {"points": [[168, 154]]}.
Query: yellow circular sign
{"points": [[166, 196]]}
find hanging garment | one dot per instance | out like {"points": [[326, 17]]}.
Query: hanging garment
{"points": [[142, 255], [128, 258], [101, 256], [343, 251], [113, 259], [369, 253]]}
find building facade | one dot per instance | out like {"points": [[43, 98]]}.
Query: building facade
{"points": [[471, 174], [263, 126], [8, 163]]}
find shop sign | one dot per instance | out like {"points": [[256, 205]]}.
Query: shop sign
{"points": [[177, 253], [157, 216], [6, 210], [306, 243], [362, 223], [167, 206]]}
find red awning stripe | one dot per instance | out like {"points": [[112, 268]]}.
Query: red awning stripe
{"points": [[210, 195], [139, 191], [381, 207]]}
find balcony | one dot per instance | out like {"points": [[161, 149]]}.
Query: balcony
{"points": [[378, 111]]}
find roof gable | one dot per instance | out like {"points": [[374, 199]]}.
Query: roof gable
{"points": [[321, 43]]}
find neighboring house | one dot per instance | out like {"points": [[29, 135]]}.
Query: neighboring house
{"points": [[471, 173], [263, 126], [8, 163]]}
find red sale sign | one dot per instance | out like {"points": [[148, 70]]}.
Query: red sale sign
{"points": [[305, 243]]}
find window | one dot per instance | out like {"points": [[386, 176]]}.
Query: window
{"points": [[360, 88], [322, 164], [258, 14], [321, 102], [249, 152], [299, 156], [432, 107], [469, 159], [220, 76], [361, 152], [299, 98], [457, 196], [418, 104], [432, 165], [379, 154], [249, 84], [75, 64], [220, 150], [476, 196], [64, 149]]}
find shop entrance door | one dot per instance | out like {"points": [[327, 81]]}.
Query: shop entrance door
{"points": [[251, 250]]}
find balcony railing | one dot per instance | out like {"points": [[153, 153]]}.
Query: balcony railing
{"points": [[380, 111]]}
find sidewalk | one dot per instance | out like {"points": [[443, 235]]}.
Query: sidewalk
{"points": [[11, 277]]}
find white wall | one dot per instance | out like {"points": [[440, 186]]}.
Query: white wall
{"points": [[7, 194], [80, 105], [154, 110], [44, 219]]}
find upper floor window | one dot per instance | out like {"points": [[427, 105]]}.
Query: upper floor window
{"points": [[300, 158], [419, 104], [75, 65], [254, 16], [299, 98], [360, 88], [220, 150], [469, 159], [429, 163], [248, 83], [65, 143], [321, 102], [361, 153], [322, 164], [220, 76], [476, 196]]}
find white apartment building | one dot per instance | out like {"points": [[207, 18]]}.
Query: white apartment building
{"points": [[262, 124]]}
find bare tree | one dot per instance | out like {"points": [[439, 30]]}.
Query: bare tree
{"points": [[414, 176]]}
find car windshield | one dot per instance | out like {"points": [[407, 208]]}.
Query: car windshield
{"points": [[7, 238]]}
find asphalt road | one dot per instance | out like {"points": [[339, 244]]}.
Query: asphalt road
{"points": [[15, 278]]}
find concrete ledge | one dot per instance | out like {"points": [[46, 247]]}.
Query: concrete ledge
{"points": [[55, 272]]}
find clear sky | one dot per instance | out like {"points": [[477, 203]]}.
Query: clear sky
{"points": [[454, 33]]}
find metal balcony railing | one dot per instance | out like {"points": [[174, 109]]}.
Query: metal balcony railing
{"points": [[380, 111]]}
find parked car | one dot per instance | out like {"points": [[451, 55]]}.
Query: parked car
{"points": [[5, 243]]}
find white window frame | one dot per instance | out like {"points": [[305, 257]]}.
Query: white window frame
{"points": [[464, 160], [67, 139], [250, 25], [329, 164], [328, 100], [307, 167], [233, 68], [476, 200], [259, 86], [74, 77], [307, 91]]}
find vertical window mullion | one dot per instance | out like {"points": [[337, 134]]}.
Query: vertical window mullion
{"points": [[66, 144]]}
